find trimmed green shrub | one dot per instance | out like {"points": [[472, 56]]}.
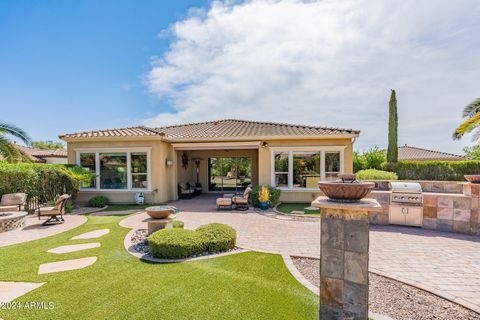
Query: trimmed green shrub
{"points": [[177, 224], [175, 243], [373, 158], [98, 201], [41, 182], [373, 174], [433, 170], [217, 237], [274, 196]]}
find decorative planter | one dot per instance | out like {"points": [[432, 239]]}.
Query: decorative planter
{"points": [[264, 205], [338, 191], [159, 212]]}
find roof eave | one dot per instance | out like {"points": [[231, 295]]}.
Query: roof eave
{"points": [[116, 138]]}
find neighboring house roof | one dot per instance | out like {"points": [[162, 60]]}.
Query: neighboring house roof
{"points": [[38, 155], [414, 153], [228, 128]]}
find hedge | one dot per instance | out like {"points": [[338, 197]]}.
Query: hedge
{"points": [[274, 196], [217, 237], [373, 174], [434, 170], [178, 243], [41, 182]]}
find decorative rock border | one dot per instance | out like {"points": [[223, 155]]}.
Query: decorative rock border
{"points": [[129, 246], [12, 220]]}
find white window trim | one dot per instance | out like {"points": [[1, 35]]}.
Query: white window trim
{"points": [[291, 150], [128, 151]]}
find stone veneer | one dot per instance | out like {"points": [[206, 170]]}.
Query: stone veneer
{"points": [[451, 212], [12, 220], [344, 258]]}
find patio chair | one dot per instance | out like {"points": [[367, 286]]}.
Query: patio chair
{"points": [[241, 201], [12, 202], [55, 213], [185, 191]]}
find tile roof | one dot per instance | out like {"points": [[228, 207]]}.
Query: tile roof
{"points": [[37, 155], [218, 129], [414, 153]]}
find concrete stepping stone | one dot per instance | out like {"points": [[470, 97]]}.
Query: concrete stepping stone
{"points": [[311, 209], [297, 212], [92, 234], [66, 265], [74, 247], [10, 290]]}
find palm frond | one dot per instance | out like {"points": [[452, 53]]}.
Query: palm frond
{"points": [[17, 132], [11, 153], [472, 108], [467, 126]]}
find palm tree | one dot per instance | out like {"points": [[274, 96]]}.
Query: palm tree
{"points": [[8, 150], [472, 114]]}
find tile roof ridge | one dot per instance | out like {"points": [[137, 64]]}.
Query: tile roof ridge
{"points": [[431, 150]]}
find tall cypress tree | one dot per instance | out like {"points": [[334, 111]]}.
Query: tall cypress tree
{"points": [[392, 151]]}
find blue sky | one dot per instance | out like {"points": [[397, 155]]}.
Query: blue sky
{"points": [[75, 65], [68, 66]]}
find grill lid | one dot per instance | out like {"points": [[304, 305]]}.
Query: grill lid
{"points": [[406, 187]]}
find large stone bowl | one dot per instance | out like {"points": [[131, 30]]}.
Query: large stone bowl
{"points": [[472, 178], [338, 191], [159, 212]]}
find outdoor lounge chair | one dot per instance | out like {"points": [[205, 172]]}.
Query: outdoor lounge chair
{"points": [[185, 191], [12, 202], [241, 201], [55, 213]]}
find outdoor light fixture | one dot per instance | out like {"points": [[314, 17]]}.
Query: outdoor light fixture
{"points": [[169, 163], [264, 144]]}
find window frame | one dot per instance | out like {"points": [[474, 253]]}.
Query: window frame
{"points": [[290, 150], [128, 151]]}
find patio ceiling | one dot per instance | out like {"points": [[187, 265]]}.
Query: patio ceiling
{"points": [[216, 145]]}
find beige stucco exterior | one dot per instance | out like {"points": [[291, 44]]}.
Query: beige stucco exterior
{"points": [[164, 178]]}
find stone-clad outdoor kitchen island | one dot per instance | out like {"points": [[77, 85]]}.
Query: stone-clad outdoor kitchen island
{"points": [[344, 258]]}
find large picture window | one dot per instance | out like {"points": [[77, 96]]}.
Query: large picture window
{"points": [[302, 168], [126, 170]]}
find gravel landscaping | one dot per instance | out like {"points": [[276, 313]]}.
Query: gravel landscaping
{"points": [[395, 299], [140, 241]]}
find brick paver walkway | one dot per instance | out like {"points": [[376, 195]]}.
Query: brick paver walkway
{"points": [[443, 263], [34, 230]]}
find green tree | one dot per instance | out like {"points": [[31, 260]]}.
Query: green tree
{"points": [[48, 145], [392, 151], [473, 153], [8, 150], [373, 158], [471, 115]]}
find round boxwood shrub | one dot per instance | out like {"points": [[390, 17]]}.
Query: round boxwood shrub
{"points": [[98, 202], [217, 237], [175, 243], [177, 224]]}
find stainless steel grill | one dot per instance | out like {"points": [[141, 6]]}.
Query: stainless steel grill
{"points": [[406, 204]]}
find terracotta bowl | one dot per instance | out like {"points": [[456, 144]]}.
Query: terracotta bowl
{"points": [[472, 178], [346, 192], [159, 212]]}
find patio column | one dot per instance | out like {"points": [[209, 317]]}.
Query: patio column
{"points": [[344, 258]]}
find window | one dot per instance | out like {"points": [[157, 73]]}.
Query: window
{"points": [[87, 162], [116, 170], [281, 169], [303, 167], [332, 165], [139, 170], [113, 171], [306, 169]]}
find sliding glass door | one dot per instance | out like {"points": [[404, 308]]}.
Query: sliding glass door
{"points": [[229, 174]]}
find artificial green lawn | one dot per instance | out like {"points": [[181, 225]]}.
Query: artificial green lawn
{"points": [[119, 286], [289, 207]]}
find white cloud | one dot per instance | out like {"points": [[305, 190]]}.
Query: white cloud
{"points": [[325, 63]]}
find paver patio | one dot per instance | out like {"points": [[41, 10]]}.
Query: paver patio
{"points": [[34, 230], [443, 263]]}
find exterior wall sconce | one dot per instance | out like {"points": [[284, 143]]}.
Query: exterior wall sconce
{"points": [[169, 163], [264, 144]]}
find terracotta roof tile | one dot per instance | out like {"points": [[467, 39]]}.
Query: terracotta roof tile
{"points": [[217, 129], [414, 153]]}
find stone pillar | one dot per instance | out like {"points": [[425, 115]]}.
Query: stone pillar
{"points": [[344, 258]]}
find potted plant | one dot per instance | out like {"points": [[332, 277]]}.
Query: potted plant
{"points": [[264, 198]]}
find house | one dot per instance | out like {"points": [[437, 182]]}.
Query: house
{"points": [[44, 156], [420, 154], [217, 156]]}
